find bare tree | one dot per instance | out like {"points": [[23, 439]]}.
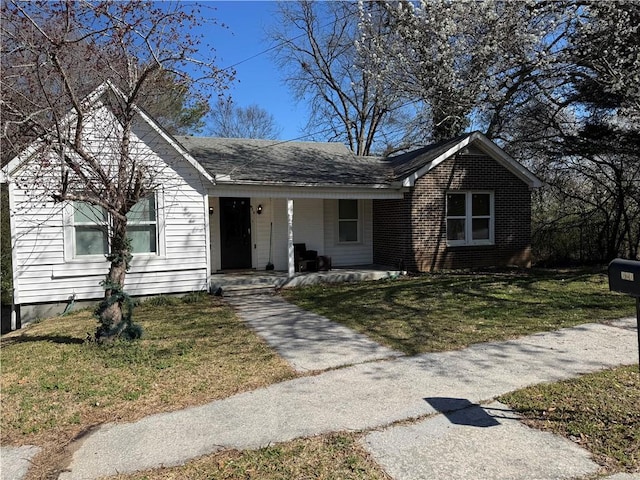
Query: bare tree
{"points": [[53, 53], [317, 51], [230, 121]]}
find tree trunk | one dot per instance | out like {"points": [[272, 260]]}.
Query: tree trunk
{"points": [[111, 313], [112, 316]]}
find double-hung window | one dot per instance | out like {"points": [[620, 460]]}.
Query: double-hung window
{"points": [[348, 221], [91, 231], [470, 218], [142, 226]]}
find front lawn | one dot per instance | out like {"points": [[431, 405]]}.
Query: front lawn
{"points": [[438, 312], [599, 411], [55, 385]]}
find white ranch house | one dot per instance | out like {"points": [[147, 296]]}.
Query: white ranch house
{"points": [[237, 204]]}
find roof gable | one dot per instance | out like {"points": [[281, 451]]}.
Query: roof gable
{"points": [[410, 166], [93, 99]]}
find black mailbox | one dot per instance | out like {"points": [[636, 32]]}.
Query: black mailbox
{"points": [[624, 277]]}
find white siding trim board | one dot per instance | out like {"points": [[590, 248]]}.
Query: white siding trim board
{"points": [[293, 192]]}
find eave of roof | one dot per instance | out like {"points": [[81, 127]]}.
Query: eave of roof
{"points": [[314, 164]]}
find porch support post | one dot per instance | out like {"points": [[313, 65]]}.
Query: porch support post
{"points": [[292, 268]]}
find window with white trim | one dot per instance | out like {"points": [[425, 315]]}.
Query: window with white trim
{"points": [[348, 221], [90, 229], [142, 226], [470, 218], [91, 234]]}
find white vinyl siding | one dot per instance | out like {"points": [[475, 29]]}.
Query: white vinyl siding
{"points": [[470, 218], [315, 223], [279, 216], [308, 223], [308, 228], [47, 271], [260, 231]]}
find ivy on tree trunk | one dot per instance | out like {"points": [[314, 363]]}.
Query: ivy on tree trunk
{"points": [[114, 313]]}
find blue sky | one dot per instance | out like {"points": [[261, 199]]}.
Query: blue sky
{"points": [[258, 79]]}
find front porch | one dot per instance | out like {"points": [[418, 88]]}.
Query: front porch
{"points": [[249, 282]]}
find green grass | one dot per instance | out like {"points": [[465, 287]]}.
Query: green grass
{"points": [[600, 411], [55, 384], [438, 312]]}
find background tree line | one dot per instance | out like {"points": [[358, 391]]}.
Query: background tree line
{"points": [[556, 84]]}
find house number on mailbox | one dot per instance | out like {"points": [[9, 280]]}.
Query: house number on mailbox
{"points": [[627, 276]]}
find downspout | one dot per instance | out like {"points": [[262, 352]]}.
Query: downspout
{"points": [[14, 314]]}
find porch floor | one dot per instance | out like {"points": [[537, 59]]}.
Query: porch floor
{"points": [[254, 281]]}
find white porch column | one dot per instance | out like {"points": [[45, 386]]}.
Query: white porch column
{"points": [[292, 268]]}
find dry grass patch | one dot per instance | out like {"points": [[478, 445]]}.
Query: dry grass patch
{"points": [[600, 411], [56, 385], [328, 457]]}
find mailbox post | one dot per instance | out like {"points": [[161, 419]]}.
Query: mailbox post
{"points": [[624, 277]]}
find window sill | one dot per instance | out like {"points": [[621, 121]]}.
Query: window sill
{"points": [[102, 258], [467, 245]]}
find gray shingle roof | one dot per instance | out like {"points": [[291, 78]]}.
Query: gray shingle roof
{"points": [[407, 163], [271, 161], [308, 163]]}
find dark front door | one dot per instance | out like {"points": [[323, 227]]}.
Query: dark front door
{"points": [[235, 233]]}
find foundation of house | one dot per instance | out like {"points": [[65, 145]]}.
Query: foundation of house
{"points": [[250, 282]]}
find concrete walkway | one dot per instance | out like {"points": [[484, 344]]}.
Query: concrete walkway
{"points": [[373, 395], [481, 442], [306, 340], [15, 461]]}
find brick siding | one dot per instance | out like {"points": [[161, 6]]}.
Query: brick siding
{"points": [[411, 233]]}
